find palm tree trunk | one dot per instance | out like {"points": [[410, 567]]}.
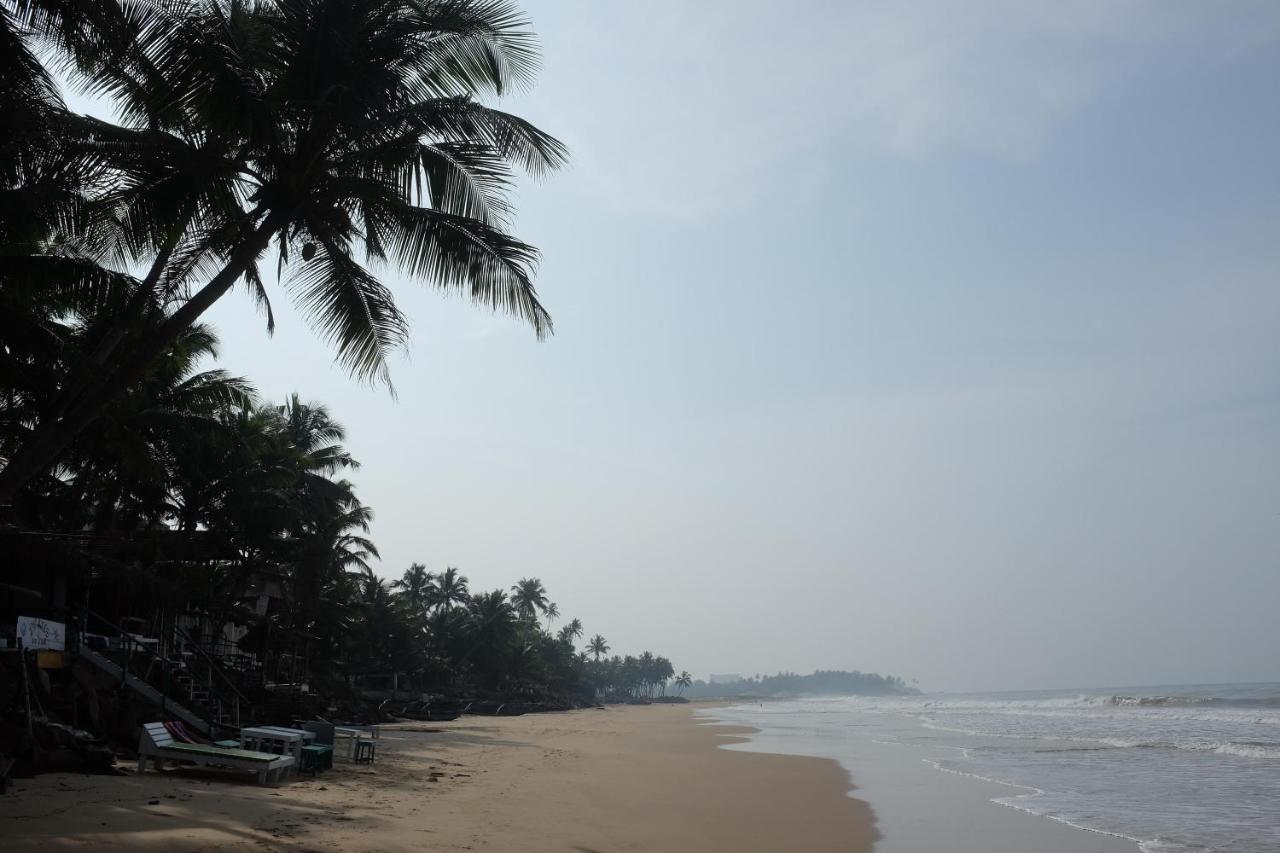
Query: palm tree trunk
{"points": [[51, 438]]}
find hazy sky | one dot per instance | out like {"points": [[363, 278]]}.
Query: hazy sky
{"points": [[937, 339]]}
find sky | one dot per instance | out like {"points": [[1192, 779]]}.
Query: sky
{"points": [[934, 339]]}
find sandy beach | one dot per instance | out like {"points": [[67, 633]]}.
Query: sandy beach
{"points": [[644, 778]]}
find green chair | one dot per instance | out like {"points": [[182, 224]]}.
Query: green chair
{"points": [[318, 755]]}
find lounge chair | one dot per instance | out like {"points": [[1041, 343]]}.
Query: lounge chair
{"points": [[158, 744]]}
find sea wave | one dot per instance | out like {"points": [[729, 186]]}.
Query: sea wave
{"points": [[1249, 750], [1174, 769], [1147, 701], [959, 715], [1180, 701]]}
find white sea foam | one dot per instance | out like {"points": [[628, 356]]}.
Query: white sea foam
{"points": [[1176, 769], [1249, 750]]}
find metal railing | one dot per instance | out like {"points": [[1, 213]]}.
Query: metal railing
{"points": [[130, 675], [215, 669]]}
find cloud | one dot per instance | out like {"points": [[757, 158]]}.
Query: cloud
{"points": [[685, 111]]}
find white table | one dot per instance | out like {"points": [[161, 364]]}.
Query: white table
{"points": [[354, 734], [277, 739]]}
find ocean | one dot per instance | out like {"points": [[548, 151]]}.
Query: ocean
{"points": [[1174, 768]]}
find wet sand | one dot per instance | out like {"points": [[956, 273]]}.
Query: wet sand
{"points": [[646, 778], [920, 809]]}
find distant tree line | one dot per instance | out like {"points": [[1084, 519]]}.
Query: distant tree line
{"points": [[444, 638], [824, 682]]}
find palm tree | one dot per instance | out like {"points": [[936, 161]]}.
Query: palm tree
{"points": [[315, 126], [450, 589], [314, 435], [646, 671], [662, 672], [552, 612], [416, 587], [598, 646], [376, 607], [529, 598], [491, 634], [571, 631], [683, 680], [124, 465]]}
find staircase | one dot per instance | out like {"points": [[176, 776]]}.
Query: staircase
{"points": [[210, 684], [143, 689], [212, 693], [220, 711]]}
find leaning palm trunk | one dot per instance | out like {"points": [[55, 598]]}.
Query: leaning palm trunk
{"points": [[316, 125]]}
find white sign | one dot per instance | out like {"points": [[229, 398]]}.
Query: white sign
{"points": [[41, 634]]}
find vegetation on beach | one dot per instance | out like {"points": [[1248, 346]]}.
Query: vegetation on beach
{"points": [[446, 638], [295, 146], [820, 683], [300, 146], [333, 138], [220, 490]]}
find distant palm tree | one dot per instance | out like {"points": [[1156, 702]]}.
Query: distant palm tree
{"points": [[552, 613], [416, 588], [683, 680], [450, 589], [529, 598], [490, 632], [646, 671], [598, 646], [572, 630]]}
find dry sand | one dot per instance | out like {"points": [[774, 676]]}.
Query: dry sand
{"points": [[597, 781]]}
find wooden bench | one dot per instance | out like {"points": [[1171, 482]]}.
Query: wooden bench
{"points": [[156, 743]]}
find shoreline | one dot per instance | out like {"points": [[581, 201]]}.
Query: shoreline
{"points": [[637, 778], [919, 806]]}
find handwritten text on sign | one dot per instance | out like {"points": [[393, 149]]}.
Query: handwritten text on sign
{"points": [[41, 633]]}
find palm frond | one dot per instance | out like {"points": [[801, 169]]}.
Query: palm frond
{"points": [[457, 253], [472, 46], [212, 391], [67, 282], [351, 308], [462, 119], [258, 290]]}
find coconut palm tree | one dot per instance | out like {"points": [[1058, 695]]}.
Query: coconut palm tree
{"points": [[646, 671], [319, 127], [571, 631], [552, 612], [416, 588], [683, 680], [598, 646], [375, 607], [529, 598], [491, 634], [661, 673], [450, 588], [122, 467]]}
